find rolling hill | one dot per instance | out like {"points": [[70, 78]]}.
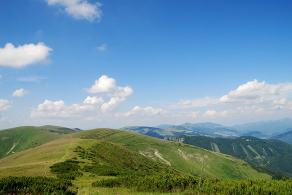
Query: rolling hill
{"points": [[106, 153], [22, 138], [271, 155], [185, 158], [182, 157]]}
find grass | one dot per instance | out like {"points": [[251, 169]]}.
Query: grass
{"points": [[117, 148], [273, 156], [36, 161], [85, 187], [182, 157], [22, 138]]}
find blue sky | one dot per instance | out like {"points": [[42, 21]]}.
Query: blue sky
{"points": [[179, 58]]}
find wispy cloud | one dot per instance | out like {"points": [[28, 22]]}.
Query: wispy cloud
{"points": [[31, 79], [4, 104], [80, 9], [102, 48]]}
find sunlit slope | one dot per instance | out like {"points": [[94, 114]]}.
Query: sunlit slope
{"points": [[37, 161], [21, 138], [185, 158]]}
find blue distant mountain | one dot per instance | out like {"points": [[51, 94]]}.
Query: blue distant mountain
{"points": [[286, 137], [205, 129], [277, 129], [266, 128]]}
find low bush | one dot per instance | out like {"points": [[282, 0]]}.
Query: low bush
{"points": [[35, 185]]}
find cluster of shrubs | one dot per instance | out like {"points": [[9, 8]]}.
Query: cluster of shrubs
{"points": [[134, 171], [67, 170], [189, 184], [108, 159], [35, 185]]}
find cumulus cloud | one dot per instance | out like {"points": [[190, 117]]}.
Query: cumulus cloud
{"points": [[93, 100], [4, 104], [58, 109], [19, 92], [108, 85], [260, 93], [102, 85], [80, 9], [23, 55], [110, 96], [256, 92], [251, 98]]}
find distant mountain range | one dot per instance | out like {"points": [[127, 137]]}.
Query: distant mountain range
{"points": [[266, 128], [277, 129], [286, 137], [205, 129]]}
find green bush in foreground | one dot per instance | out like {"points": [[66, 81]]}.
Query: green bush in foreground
{"points": [[68, 169], [189, 184], [35, 185]]}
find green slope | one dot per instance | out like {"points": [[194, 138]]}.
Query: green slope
{"points": [[182, 157], [272, 156], [22, 138], [104, 154]]}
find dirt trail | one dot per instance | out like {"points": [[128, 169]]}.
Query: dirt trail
{"points": [[11, 149], [158, 155]]}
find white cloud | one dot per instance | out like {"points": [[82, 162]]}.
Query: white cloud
{"points": [[102, 47], [110, 97], [102, 85], [80, 9], [257, 92], [23, 55], [93, 100], [119, 96], [58, 109], [4, 104], [253, 100], [248, 99], [149, 111], [109, 86], [19, 92]]}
